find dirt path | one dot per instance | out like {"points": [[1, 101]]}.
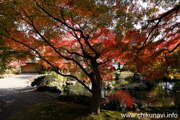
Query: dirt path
{"points": [[17, 94]]}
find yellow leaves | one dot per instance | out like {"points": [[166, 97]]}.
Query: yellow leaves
{"points": [[175, 75]]}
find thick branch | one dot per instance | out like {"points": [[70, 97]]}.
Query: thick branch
{"points": [[151, 32], [159, 19], [173, 49], [101, 63], [64, 23], [64, 75], [166, 13], [67, 58], [170, 52], [75, 53], [43, 57], [86, 55], [70, 27]]}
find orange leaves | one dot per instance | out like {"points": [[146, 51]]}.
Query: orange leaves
{"points": [[75, 27], [15, 64]]}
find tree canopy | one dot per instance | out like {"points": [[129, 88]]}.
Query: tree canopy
{"points": [[88, 37]]}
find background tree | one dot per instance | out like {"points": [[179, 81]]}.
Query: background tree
{"points": [[164, 35], [151, 53], [8, 55]]}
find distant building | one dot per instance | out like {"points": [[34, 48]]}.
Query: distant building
{"points": [[31, 67]]}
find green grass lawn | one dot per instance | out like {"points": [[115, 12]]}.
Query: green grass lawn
{"points": [[66, 111]]}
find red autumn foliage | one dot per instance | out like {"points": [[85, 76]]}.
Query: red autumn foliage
{"points": [[121, 96], [125, 98], [89, 37]]}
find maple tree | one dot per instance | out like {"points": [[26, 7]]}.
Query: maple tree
{"points": [[85, 37], [165, 35], [9, 57], [156, 52]]}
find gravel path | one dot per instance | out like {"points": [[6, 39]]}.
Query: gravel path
{"points": [[17, 94]]}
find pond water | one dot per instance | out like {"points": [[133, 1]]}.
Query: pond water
{"points": [[164, 94]]}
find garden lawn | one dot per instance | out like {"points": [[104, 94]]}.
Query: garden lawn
{"points": [[65, 111]]}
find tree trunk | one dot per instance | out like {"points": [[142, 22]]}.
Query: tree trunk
{"points": [[95, 101], [96, 89]]}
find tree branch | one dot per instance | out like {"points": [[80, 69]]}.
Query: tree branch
{"points": [[170, 52], [101, 63], [166, 13], [82, 68], [75, 53], [72, 28], [67, 58], [64, 75], [159, 19]]}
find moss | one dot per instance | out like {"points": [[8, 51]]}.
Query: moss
{"points": [[62, 111], [67, 111], [52, 111]]}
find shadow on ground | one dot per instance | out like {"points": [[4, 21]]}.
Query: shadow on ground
{"points": [[13, 100]]}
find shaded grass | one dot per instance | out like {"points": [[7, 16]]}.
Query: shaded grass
{"points": [[67, 111], [62, 111]]}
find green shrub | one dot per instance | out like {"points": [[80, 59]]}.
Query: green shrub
{"points": [[124, 82], [176, 86], [117, 75], [40, 81], [140, 106], [43, 80], [43, 84], [113, 105], [150, 84], [50, 81], [50, 89], [139, 88], [123, 88], [144, 107]]}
